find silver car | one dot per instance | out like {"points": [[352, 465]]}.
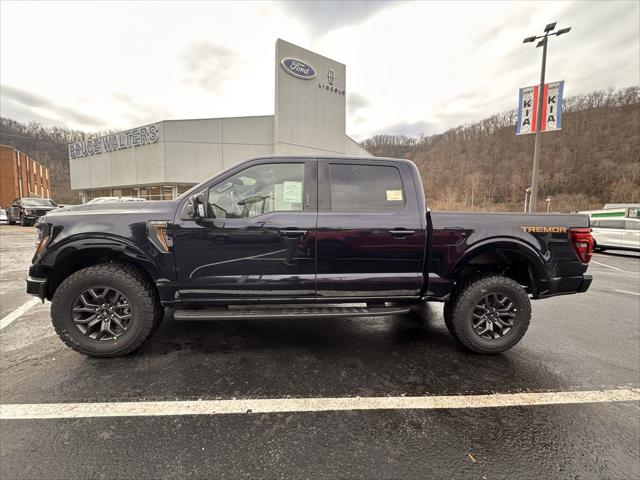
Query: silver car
{"points": [[616, 233], [3, 215]]}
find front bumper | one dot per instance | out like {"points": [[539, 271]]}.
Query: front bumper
{"points": [[550, 287], [37, 286]]}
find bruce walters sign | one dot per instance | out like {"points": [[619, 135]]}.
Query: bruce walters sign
{"points": [[551, 108], [117, 141]]}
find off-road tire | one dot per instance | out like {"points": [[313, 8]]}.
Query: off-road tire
{"points": [[446, 313], [461, 284], [146, 311], [468, 297]]}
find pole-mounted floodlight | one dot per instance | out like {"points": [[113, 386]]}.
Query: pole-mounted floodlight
{"points": [[548, 31]]}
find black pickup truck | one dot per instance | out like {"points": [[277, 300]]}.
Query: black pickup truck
{"points": [[298, 237]]}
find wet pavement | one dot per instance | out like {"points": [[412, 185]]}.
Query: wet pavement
{"points": [[575, 343]]}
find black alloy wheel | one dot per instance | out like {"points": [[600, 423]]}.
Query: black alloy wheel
{"points": [[102, 313], [494, 316]]}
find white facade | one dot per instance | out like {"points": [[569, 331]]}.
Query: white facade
{"points": [[310, 118]]}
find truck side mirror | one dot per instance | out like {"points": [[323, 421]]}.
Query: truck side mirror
{"points": [[197, 207]]}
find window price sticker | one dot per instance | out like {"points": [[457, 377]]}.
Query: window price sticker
{"points": [[292, 192], [394, 195]]}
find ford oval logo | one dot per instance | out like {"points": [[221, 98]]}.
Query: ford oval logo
{"points": [[298, 68]]}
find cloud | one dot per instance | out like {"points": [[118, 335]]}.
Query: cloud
{"points": [[140, 113], [323, 16], [356, 101], [209, 66], [36, 106], [408, 128]]}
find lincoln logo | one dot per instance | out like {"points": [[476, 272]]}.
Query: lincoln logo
{"points": [[298, 68], [331, 76]]}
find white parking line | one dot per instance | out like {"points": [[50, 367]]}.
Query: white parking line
{"points": [[630, 293], [605, 265], [278, 405], [18, 312]]}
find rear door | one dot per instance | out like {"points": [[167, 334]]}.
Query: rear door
{"points": [[13, 212], [370, 236]]}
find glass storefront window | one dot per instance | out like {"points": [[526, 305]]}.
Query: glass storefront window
{"points": [[167, 192], [183, 188], [148, 192]]}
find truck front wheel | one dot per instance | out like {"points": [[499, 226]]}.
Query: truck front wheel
{"points": [[105, 310], [490, 314]]}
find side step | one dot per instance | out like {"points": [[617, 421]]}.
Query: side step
{"points": [[291, 312]]}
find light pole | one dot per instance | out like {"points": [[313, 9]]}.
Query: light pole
{"points": [[548, 31], [526, 198]]}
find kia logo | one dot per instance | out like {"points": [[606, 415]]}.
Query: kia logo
{"points": [[298, 68]]}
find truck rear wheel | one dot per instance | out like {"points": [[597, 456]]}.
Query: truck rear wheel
{"points": [[490, 314], [105, 310]]}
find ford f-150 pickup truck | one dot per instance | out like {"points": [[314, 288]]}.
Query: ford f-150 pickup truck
{"points": [[300, 237]]}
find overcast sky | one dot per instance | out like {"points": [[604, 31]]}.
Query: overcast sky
{"points": [[411, 67]]}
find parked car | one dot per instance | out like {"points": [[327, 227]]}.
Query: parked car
{"points": [[115, 200], [616, 233], [27, 210], [3, 215], [269, 234]]}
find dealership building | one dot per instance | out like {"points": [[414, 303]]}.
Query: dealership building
{"points": [[162, 160]]}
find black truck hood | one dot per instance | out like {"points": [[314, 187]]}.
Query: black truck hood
{"points": [[116, 212], [110, 207]]}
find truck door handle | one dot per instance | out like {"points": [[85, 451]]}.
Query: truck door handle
{"points": [[401, 233], [293, 233]]}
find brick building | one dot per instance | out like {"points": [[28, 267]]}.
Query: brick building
{"points": [[21, 176]]}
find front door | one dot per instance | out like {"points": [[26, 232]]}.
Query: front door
{"points": [[258, 242], [631, 235], [371, 236]]}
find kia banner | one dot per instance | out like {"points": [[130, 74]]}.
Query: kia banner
{"points": [[551, 108]]}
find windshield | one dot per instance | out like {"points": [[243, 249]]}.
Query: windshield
{"points": [[37, 202]]}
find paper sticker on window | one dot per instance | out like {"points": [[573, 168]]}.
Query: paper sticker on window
{"points": [[394, 195], [292, 192]]}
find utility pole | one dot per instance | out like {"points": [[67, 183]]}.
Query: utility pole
{"points": [[548, 30]]}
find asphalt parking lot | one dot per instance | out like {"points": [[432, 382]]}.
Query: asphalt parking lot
{"points": [[578, 343]]}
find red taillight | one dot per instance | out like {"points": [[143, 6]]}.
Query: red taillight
{"points": [[582, 243]]}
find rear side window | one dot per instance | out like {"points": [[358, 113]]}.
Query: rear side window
{"points": [[632, 225], [617, 224], [365, 188]]}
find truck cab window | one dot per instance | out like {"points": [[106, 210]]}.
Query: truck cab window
{"points": [[257, 190], [365, 188]]}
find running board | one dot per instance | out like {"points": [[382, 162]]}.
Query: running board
{"points": [[281, 313]]}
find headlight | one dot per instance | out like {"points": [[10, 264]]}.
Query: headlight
{"points": [[28, 211], [42, 238]]}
